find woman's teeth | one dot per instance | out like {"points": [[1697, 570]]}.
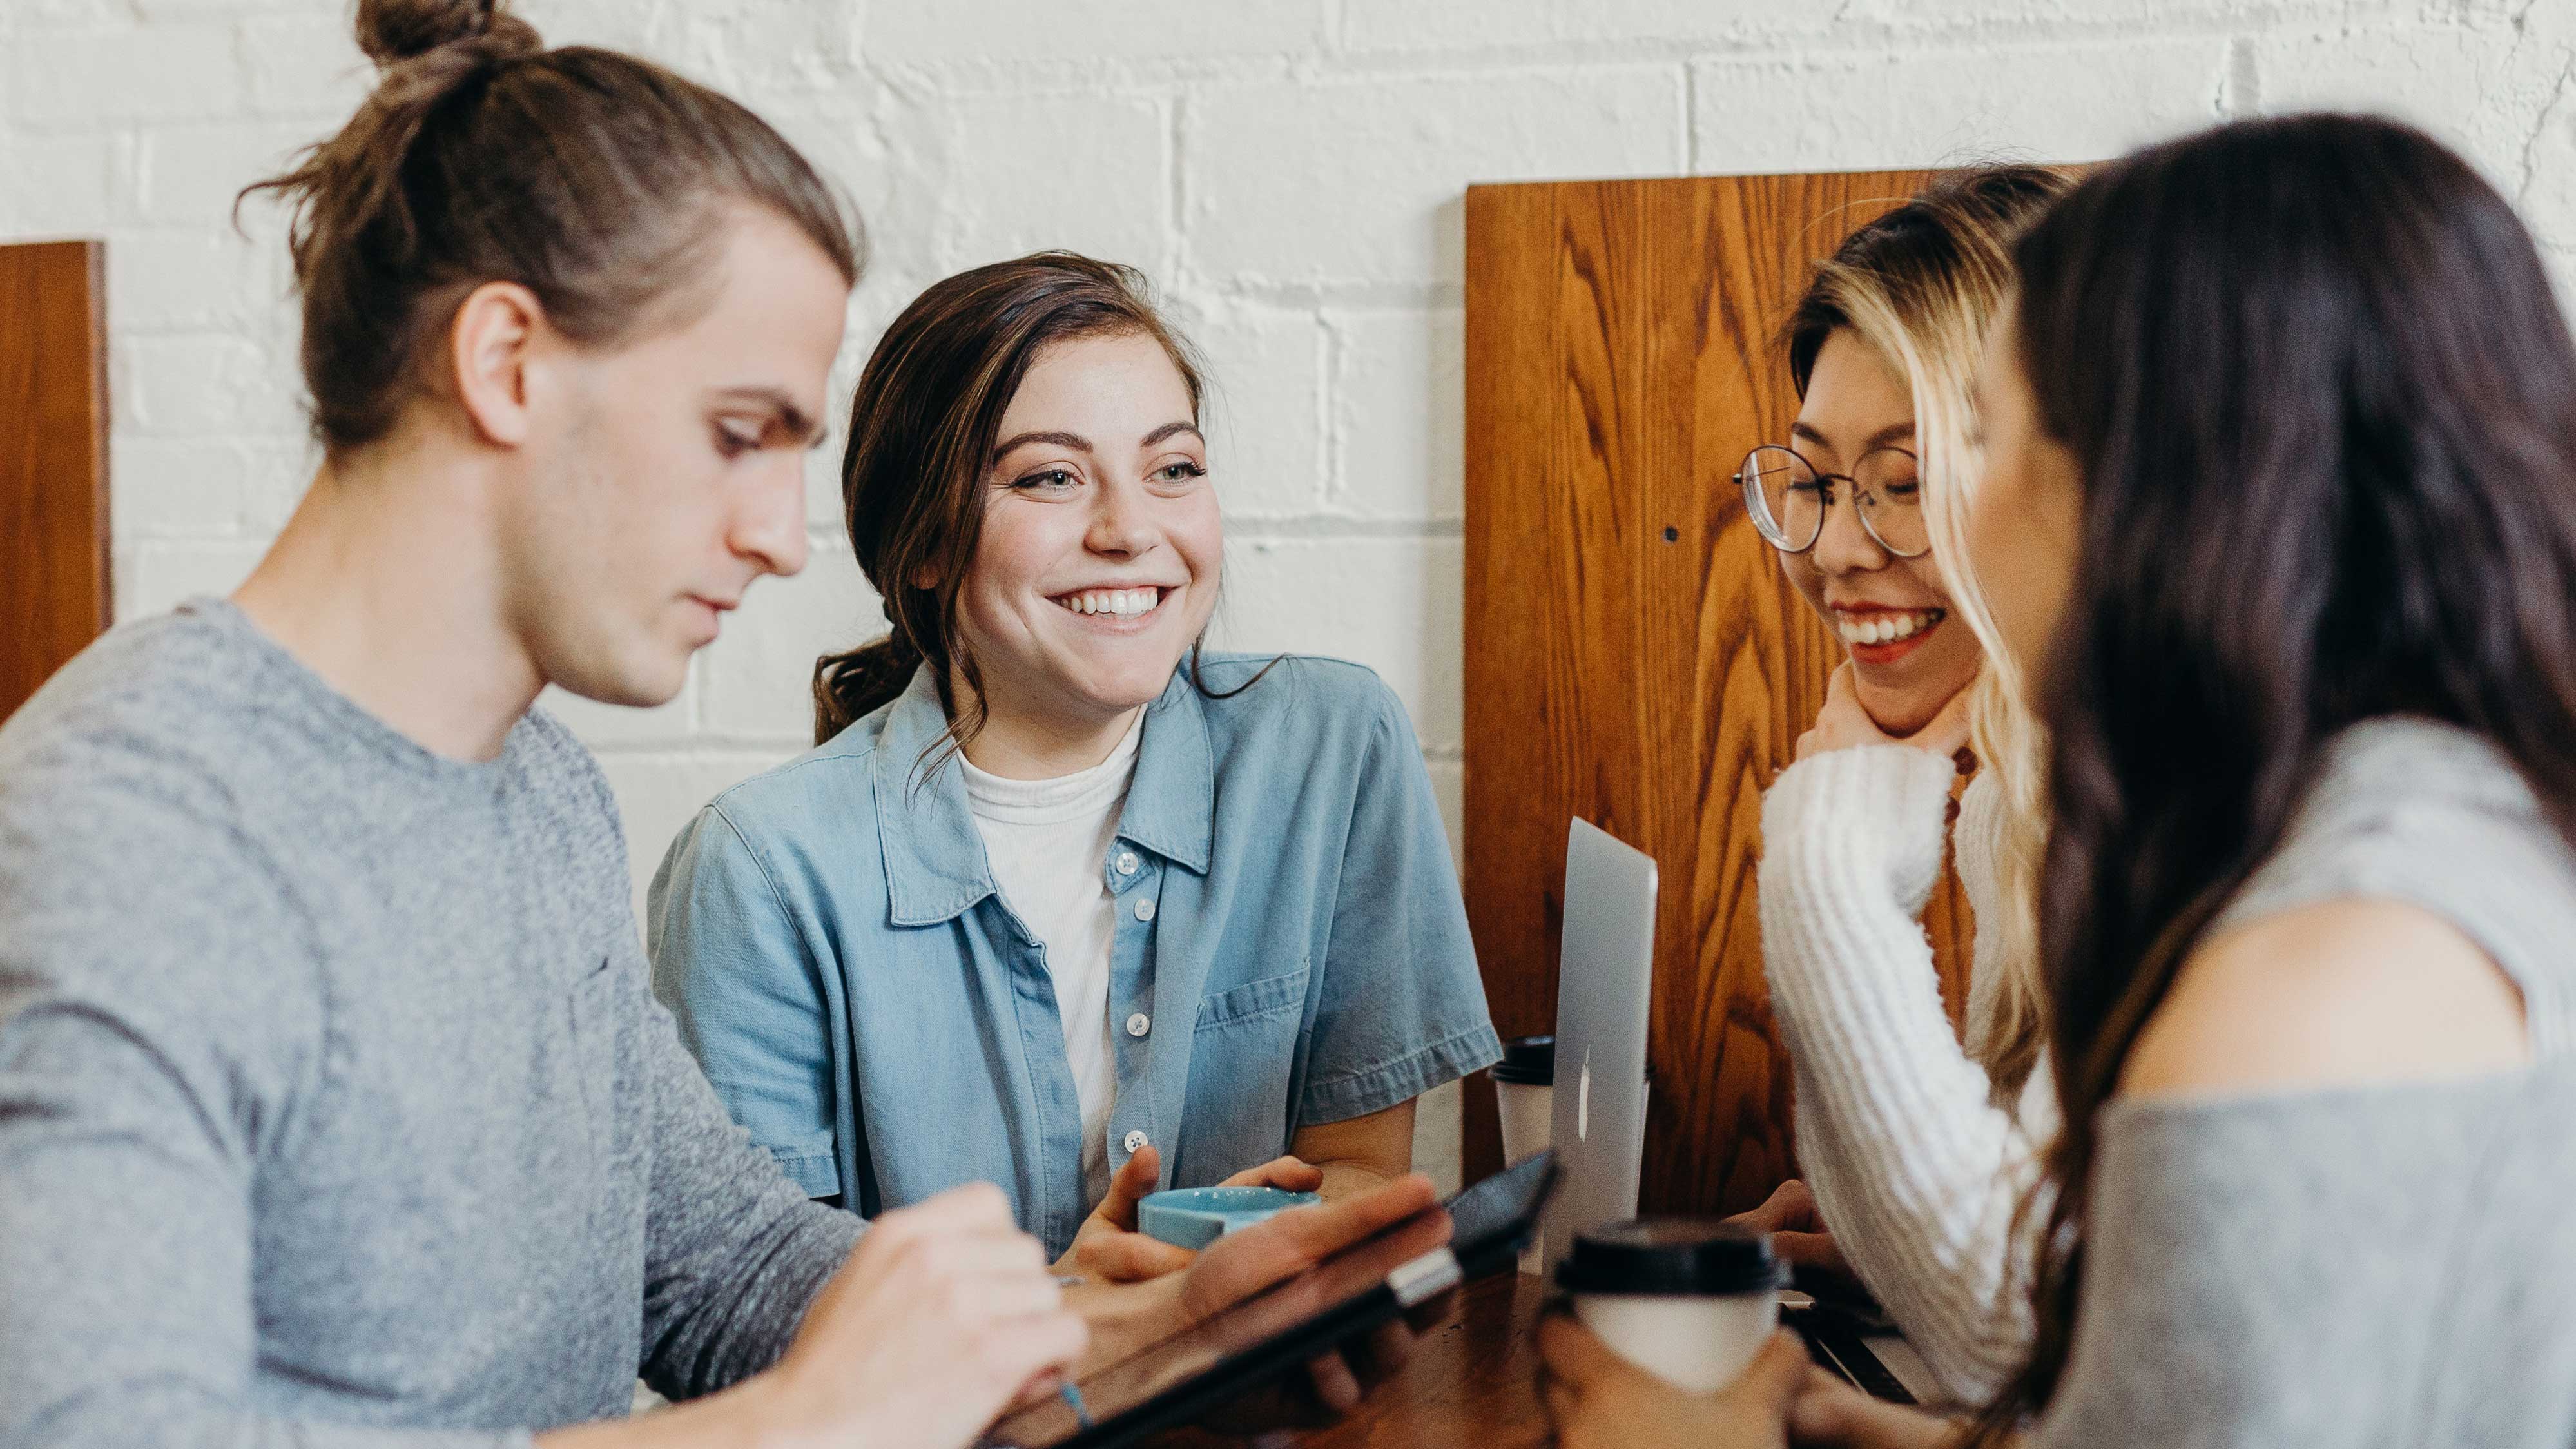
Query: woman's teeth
{"points": [[1886, 628], [1124, 603]]}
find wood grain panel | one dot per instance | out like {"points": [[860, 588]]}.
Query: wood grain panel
{"points": [[54, 590], [1634, 653], [1511, 356]]}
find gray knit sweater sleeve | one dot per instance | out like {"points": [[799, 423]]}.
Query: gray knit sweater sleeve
{"points": [[734, 1250]]}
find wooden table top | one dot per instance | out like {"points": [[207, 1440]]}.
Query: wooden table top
{"points": [[1472, 1381]]}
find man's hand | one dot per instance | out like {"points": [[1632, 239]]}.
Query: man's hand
{"points": [[1110, 1249], [1243, 1263], [1601, 1401], [944, 1314], [1844, 724]]}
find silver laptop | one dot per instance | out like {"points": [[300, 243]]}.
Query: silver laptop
{"points": [[1604, 981]]}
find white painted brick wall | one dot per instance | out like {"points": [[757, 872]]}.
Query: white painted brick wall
{"points": [[1924, 105], [1290, 172]]}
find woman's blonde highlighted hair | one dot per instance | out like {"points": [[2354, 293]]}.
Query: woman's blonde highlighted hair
{"points": [[1923, 285]]}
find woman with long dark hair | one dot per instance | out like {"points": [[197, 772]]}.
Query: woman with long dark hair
{"points": [[1060, 900], [2280, 509]]}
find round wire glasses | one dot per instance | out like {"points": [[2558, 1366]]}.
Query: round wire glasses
{"points": [[1789, 498]]}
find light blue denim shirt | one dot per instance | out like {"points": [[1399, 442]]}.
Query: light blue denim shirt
{"points": [[1289, 931]]}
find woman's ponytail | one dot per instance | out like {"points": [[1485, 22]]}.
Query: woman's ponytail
{"points": [[855, 683]]}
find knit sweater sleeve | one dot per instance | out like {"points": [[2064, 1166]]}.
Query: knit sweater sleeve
{"points": [[1915, 1169]]}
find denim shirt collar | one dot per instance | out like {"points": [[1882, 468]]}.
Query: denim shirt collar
{"points": [[934, 856]]}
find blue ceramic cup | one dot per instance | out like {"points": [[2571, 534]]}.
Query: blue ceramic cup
{"points": [[1193, 1217]]}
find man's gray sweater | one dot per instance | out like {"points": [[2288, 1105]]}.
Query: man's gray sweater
{"points": [[335, 1106]]}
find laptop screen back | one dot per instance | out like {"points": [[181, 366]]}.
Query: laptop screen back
{"points": [[1605, 976]]}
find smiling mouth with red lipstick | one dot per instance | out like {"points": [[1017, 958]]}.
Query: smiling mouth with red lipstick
{"points": [[1878, 634]]}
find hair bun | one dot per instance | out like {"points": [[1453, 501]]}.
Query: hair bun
{"points": [[390, 31]]}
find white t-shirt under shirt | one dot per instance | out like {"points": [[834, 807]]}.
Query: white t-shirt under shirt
{"points": [[1048, 843]]}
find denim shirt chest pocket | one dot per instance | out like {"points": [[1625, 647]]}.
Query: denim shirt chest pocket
{"points": [[1246, 1056]]}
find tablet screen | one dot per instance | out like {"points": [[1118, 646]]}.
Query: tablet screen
{"points": [[1299, 1318]]}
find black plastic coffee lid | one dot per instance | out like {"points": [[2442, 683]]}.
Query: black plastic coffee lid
{"points": [[1528, 1061], [1696, 1257]]}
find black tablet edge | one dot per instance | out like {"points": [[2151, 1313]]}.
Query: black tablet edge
{"points": [[1253, 1367], [1847, 1354], [1415, 1281]]}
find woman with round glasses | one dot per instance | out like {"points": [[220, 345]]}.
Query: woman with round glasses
{"points": [[1916, 1148], [1870, 575]]}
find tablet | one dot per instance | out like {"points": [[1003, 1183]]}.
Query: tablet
{"points": [[1365, 1286]]}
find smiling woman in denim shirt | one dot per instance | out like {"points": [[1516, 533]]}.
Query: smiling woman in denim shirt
{"points": [[1060, 900]]}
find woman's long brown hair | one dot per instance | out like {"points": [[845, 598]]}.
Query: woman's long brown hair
{"points": [[2323, 406]]}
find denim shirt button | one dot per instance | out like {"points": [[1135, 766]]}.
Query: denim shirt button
{"points": [[1127, 862], [1145, 909], [1135, 1141], [1139, 1024]]}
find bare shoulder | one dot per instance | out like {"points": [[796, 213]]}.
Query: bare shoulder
{"points": [[2344, 992]]}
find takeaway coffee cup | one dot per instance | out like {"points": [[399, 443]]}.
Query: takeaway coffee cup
{"points": [[1689, 1300], [1525, 1090], [1524, 1083]]}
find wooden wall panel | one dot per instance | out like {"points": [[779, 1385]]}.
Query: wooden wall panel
{"points": [[54, 591], [1634, 653]]}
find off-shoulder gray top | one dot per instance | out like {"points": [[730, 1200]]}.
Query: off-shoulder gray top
{"points": [[2376, 1265]]}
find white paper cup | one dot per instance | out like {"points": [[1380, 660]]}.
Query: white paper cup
{"points": [[1697, 1344], [1527, 1113], [1524, 1092], [1527, 1110], [1524, 1084], [1689, 1300]]}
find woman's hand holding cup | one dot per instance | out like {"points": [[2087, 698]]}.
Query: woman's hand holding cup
{"points": [[1109, 1247], [1601, 1401]]}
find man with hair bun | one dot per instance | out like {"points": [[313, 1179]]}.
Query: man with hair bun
{"points": [[335, 1108]]}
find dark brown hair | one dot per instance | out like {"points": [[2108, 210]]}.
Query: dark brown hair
{"points": [[922, 428], [596, 180], [2323, 406]]}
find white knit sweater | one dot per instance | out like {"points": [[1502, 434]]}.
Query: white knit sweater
{"points": [[1916, 1169]]}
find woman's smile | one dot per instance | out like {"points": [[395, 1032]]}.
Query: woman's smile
{"points": [[1887, 610], [1878, 636], [1116, 610]]}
